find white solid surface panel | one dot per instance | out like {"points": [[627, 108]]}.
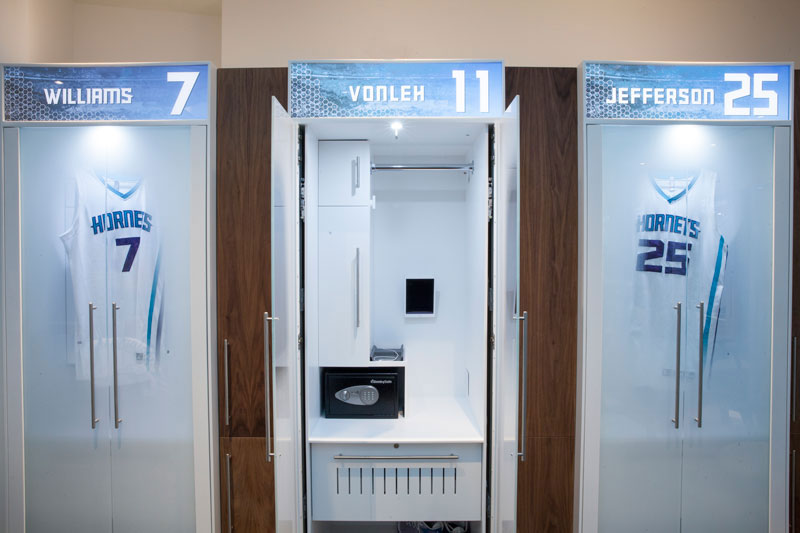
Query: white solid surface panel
{"points": [[506, 357], [418, 232], [428, 419], [396, 489], [344, 286], [344, 176], [285, 371]]}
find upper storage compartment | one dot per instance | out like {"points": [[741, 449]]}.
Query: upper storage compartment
{"points": [[344, 173]]}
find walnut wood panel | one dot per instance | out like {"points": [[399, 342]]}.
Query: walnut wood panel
{"points": [[252, 487], [794, 497], [549, 241], [544, 486], [244, 99], [795, 424]]}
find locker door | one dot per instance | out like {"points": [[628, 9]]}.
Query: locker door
{"points": [[66, 416], [507, 322], [284, 320]]}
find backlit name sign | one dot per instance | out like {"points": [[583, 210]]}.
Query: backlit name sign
{"points": [[757, 92], [396, 89], [101, 93]]}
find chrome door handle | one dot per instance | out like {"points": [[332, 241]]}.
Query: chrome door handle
{"points": [[114, 309], [267, 391], [676, 420], [225, 352], [524, 319], [230, 507], [92, 307], [699, 418], [794, 379], [794, 490], [450, 457], [358, 288]]}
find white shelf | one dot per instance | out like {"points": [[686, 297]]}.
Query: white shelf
{"points": [[428, 419]]}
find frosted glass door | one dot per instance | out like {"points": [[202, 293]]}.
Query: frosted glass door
{"points": [[147, 179], [726, 459], [67, 467], [648, 237]]}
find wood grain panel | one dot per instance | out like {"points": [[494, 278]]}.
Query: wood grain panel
{"points": [[243, 238], [549, 241], [544, 486], [795, 425], [252, 487]]}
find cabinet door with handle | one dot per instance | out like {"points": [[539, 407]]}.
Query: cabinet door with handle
{"points": [[344, 258], [344, 173], [246, 486]]}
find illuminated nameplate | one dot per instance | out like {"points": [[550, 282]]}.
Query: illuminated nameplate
{"points": [[745, 92], [396, 89], [101, 93]]}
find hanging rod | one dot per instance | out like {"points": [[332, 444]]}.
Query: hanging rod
{"points": [[425, 166]]}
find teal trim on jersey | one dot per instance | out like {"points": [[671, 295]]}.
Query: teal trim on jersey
{"points": [[152, 306], [712, 296], [678, 196], [123, 195]]}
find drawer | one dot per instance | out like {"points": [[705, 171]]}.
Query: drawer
{"points": [[381, 482]]}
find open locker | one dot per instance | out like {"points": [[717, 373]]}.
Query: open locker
{"points": [[394, 321]]}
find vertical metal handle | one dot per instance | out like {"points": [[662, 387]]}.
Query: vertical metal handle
{"points": [[794, 379], [358, 288], [699, 418], [114, 309], [676, 420], [358, 172], [230, 507], [793, 518], [267, 389], [225, 352], [92, 307], [524, 319]]}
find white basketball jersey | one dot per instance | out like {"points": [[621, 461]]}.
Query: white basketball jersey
{"points": [[114, 258], [679, 257]]}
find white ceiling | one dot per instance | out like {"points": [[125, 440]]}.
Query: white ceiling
{"points": [[201, 7]]}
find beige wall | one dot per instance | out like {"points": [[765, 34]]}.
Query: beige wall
{"points": [[521, 32], [108, 34], [60, 31]]}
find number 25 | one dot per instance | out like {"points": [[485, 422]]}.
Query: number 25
{"points": [[758, 92]]}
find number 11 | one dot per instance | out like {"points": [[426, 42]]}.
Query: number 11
{"points": [[483, 79]]}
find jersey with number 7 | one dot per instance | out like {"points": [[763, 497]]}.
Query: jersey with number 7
{"points": [[114, 257]]}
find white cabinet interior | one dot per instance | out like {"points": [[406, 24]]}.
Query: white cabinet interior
{"points": [[366, 232]]}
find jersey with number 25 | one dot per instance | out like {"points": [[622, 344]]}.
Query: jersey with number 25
{"points": [[114, 258]]}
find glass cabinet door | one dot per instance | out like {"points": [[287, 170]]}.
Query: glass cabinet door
{"points": [[148, 190], [647, 237], [726, 450], [67, 468], [105, 221]]}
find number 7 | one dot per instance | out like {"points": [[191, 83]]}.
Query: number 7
{"points": [[133, 242], [188, 79]]}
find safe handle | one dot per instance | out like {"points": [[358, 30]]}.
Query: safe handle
{"points": [[114, 309], [699, 418], [267, 390], [676, 420], [524, 319], [92, 307]]}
